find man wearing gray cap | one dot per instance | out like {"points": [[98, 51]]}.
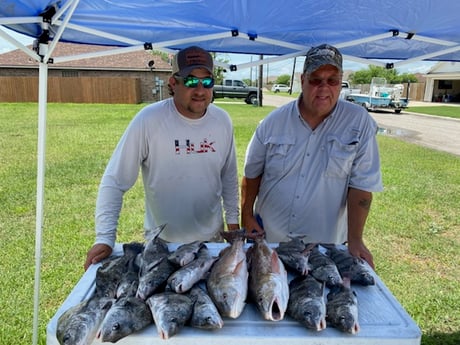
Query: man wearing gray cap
{"points": [[184, 147], [312, 165]]}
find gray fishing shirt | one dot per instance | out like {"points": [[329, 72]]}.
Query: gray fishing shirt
{"points": [[306, 173]]}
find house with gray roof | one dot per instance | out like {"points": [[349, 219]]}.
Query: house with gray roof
{"points": [[443, 83]]}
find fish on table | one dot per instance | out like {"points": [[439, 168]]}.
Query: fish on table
{"points": [[186, 276], [129, 282], [186, 253], [227, 283], [79, 324], [126, 316], [113, 269], [307, 302], [170, 312], [294, 254], [353, 267], [342, 308], [205, 314], [268, 282], [155, 268], [324, 268]]}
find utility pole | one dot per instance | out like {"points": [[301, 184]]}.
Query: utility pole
{"points": [[261, 73]]}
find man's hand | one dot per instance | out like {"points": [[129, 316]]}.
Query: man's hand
{"points": [[359, 250], [97, 253], [253, 229]]}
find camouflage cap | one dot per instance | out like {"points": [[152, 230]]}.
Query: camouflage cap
{"points": [[321, 55], [190, 58]]}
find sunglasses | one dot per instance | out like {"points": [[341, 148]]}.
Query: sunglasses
{"points": [[328, 81], [192, 82]]}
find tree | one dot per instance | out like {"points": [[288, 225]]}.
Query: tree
{"points": [[283, 79], [365, 76]]}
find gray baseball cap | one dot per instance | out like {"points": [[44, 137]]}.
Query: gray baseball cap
{"points": [[190, 58], [321, 55]]}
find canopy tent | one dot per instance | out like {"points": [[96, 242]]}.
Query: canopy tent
{"points": [[385, 33]]}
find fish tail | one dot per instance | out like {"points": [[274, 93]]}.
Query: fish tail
{"points": [[232, 235]]}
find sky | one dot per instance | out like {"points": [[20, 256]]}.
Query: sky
{"points": [[274, 69]]}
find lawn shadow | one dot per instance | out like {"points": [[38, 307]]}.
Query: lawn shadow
{"points": [[441, 339]]}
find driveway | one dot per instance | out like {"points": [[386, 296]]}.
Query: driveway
{"points": [[439, 133]]}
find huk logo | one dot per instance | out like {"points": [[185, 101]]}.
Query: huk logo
{"points": [[189, 147]]}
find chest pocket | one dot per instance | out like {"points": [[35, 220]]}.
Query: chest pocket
{"points": [[341, 158], [277, 151]]}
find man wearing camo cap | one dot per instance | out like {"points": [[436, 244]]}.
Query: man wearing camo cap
{"points": [[312, 165]]}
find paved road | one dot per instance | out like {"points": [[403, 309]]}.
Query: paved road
{"points": [[435, 132]]}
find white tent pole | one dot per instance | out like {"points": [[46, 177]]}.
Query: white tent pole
{"points": [[41, 146]]}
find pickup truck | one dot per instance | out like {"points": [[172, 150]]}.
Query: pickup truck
{"points": [[347, 90], [236, 89]]}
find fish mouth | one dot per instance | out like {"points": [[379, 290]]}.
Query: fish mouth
{"points": [[164, 335], [141, 295], [321, 325], [275, 313], [355, 328]]}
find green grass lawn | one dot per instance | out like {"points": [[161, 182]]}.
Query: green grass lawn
{"points": [[439, 110], [413, 229]]}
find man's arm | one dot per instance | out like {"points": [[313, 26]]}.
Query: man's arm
{"points": [[359, 203], [249, 191]]}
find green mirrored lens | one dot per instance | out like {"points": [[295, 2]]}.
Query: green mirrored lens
{"points": [[193, 82]]}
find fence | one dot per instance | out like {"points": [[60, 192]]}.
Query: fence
{"points": [[72, 90]]}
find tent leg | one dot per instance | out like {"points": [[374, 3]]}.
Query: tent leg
{"points": [[41, 146]]}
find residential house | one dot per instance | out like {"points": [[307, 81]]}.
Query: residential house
{"points": [[134, 77]]}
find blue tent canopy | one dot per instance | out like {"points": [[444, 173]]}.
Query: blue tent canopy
{"points": [[367, 31]]}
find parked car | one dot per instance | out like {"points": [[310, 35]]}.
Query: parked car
{"points": [[236, 89], [280, 88]]}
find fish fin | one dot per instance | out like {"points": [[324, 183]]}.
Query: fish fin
{"points": [[154, 233], [238, 266], [275, 262]]}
